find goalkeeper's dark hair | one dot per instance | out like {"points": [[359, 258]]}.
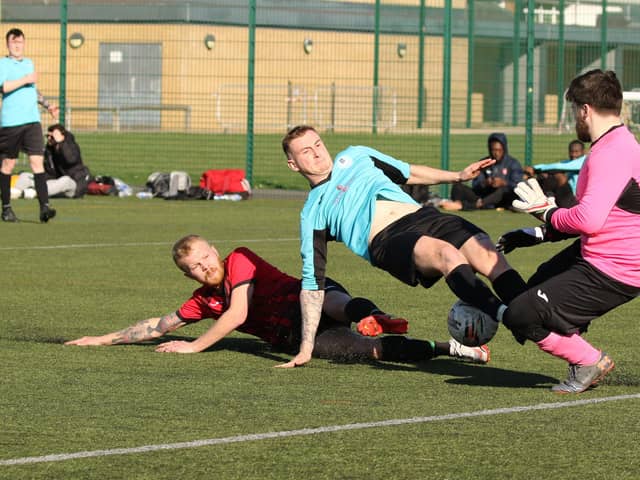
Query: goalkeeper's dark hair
{"points": [[599, 89]]}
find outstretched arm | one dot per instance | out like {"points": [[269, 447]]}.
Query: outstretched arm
{"points": [[311, 308], [142, 331], [231, 319], [424, 175], [51, 108]]}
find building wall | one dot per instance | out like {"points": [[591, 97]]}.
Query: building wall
{"points": [[333, 81]]}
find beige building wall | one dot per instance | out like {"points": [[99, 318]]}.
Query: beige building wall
{"points": [[331, 86]]}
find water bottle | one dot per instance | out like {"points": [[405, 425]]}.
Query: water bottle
{"points": [[144, 195]]}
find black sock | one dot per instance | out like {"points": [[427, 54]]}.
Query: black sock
{"points": [[40, 181], [358, 308], [509, 285], [5, 189], [470, 289], [396, 348]]}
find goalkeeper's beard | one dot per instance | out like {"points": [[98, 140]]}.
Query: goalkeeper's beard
{"points": [[582, 130]]}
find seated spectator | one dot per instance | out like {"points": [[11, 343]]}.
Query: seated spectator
{"points": [[66, 174], [493, 188], [559, 179]]}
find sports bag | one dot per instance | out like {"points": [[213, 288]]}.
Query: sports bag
{"points": [[223, 181]]}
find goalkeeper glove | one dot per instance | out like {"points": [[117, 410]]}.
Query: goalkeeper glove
{"points": [[533, 200], [523, 237]]}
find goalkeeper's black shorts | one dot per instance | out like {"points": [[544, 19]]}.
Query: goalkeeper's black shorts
{"points": [[565, 294]]}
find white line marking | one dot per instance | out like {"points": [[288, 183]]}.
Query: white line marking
{"points": [[309, 431], [137, 244]]}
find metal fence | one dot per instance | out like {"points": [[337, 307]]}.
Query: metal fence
{"points": [[397, 73]]}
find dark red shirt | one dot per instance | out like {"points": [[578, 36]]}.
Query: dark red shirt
{"points": [[274, 307]]}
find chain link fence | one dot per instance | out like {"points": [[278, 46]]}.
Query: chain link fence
{"points": [[191, 85]]}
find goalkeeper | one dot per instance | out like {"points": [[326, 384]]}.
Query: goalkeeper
{"points": [[601, 269]]}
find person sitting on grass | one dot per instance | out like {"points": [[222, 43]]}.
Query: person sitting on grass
{"points": [[246, 293], [66, 174], [559, 179]]}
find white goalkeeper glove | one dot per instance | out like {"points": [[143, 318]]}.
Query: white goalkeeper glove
{"points": [[523, 237], [533, 200]]}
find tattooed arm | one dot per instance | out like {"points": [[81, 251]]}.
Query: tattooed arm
{"points": [[311, 307], [232, 318], [142, 331]]}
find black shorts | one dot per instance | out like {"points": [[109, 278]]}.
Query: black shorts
{"points": [[392, 248], [26, 138], [565, 294]]}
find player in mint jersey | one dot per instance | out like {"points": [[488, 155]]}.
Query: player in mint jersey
{"points": [[246, 293], [356, 199], [21, 129]]}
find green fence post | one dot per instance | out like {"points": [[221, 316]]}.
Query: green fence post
{"points": [[470, 57], [446, 95], [421, 27], [516, 61], [250, 90], [560, 68], [528, 148], [62, 83], [376, 65], [603, 36]]}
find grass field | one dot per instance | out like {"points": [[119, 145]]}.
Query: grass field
{"points": [[105, 263], [133, 156]]}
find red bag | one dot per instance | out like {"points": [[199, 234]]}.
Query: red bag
{"points": [[225, 181], [102, 185]]}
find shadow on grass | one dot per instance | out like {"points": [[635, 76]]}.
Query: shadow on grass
{"points": [[476, 375], [252, 346], [465, 373]]}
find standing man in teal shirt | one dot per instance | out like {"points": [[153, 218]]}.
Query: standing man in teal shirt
{"points": [[21, 129]]}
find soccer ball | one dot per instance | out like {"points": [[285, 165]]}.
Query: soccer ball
{"points": [[470, 325]]}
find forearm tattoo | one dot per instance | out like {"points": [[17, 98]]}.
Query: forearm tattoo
{"points": [[311, 308], [147, 329]]}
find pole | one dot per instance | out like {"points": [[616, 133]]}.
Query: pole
{"points": [[376, 66], [530, 56], [560, 65], [250, 89], [446, 95], [421, 35], [62, 86], [470, 58]]}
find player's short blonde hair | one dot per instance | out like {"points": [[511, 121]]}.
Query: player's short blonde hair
{"points": [[183, 247], [292, 134]]}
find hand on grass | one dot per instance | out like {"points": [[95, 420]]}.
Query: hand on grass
{"points": [[297, 361], [176, 346], [85, 341]]}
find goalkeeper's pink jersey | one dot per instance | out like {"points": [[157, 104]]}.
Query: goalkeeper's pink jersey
{"points": [[610, 235]]}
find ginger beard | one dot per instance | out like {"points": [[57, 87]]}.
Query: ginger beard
{"points": [[214, 275]]}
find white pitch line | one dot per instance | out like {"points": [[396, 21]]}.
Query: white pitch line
{"points": [[138, 244], [309, 431]]}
